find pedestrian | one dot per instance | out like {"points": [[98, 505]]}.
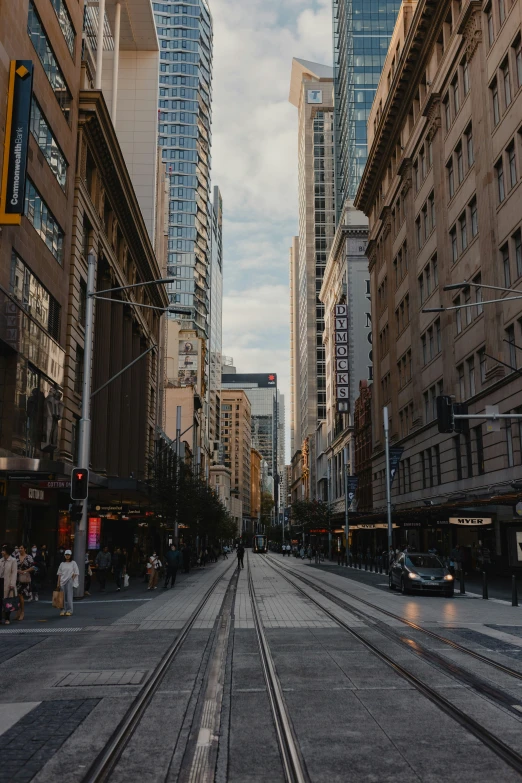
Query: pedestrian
{"points": [[310, 553], [23, 583], [40, 572], [185, 553], [117, 567], [103, 563], [174, 561], [455, 559], [153, 567], [68, 574], [240, 555], [87, 575], [8, 574], [302, 553], [225, 552]]}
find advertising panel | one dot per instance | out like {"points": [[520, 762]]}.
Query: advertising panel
{"points": [[12, 195], [342, 377], [94, 533], [188, 362]]}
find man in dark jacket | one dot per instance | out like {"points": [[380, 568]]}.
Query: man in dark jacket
{"points": [[103, 564], [240, 555], [174, 561]]}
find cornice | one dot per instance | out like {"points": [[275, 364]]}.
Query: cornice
{"points": [[432, 112], [470, 27]]}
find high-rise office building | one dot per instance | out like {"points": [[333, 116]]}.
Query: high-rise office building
{"points": [[311, 92], [362, 31], [185, 96], [216, 317]]}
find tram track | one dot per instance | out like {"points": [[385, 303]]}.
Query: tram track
{"points": [[510, 756]]}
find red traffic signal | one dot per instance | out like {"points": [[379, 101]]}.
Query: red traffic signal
{"points": [[79, 483]]}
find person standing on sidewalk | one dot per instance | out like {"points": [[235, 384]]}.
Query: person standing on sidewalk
{"points": [[68, 574], [117, 567], [103, 563], [240, 555], [8, 574], [153, 567], [174, 561], [39, 573], [23, 584]]}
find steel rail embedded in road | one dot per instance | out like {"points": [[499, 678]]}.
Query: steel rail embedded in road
{"points": [[456, 646], [104, 764], [507, 754], [481, 686], [293, 763]]}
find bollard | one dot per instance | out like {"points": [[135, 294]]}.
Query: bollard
{"points": [[514, 592], [485, 586], [462, 585]]}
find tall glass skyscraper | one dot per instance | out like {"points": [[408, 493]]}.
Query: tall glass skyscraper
{"points": [[184, 121], [362, 31]]}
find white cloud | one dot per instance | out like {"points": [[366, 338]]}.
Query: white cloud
{"points": [[254, 162]]}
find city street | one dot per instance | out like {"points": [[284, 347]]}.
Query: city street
{"points": [[333, 683]]}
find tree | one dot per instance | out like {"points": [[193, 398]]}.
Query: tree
{"points": [[267, 504], [309, 514]]}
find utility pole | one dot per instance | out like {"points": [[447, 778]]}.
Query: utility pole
{"points": [[346, 505], [328, 510], [84, 440], [388, 481], [178, 471]]}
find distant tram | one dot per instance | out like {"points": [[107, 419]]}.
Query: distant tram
{"points": [[259, 544]]}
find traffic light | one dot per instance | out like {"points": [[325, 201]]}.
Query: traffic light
{"points": [[445, 413], [79, 483]]}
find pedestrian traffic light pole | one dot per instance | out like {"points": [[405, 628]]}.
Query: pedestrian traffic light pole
{"points": [[84, 440], [388, 478]]}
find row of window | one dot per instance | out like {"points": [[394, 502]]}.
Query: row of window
{"points": [[400, 264], [431, 342], [43, 221], [382, 295], [506, 171], [470, 215], [456, 161], [502, 88], [402, 314], [48, 60], [428, 279], [451, 101], [469, 304], [384, 343], [404, 368], [48, 144], [423, 164], [34, 297], [426, 221]]}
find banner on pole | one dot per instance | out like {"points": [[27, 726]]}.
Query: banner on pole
{"points": [[351, 486], [395, 458]]}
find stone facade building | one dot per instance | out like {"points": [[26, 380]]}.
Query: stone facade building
{"points": [[440, 189], [236, 436]]}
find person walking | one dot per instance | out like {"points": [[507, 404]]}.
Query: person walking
{"points": [[117, 567], [88, 575], [25, 566], [153, 567], [103, 563], [240, 555], [174, 561], [8, 574], [67, 577], [39, 574]]}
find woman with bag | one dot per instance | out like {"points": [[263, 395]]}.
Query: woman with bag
{"points": [[23, 585], [153, 567], [8, 573], [68, 574]]}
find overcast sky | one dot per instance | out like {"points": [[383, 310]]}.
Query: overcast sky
{"points": [[254, 162]]}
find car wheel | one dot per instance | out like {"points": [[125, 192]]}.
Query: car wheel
{"points": [[391, 585], [404, 591]]}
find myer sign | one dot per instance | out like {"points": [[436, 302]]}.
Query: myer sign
{"points": [[469, 521]]}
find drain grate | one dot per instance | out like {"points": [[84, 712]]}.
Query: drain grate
{"points": [[101, 677]]}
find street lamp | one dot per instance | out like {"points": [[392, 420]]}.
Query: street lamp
{"points": [[467, 284], [84, 439]]}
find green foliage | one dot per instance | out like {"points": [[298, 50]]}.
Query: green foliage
{"points": [[309, 514], [267, 504]]}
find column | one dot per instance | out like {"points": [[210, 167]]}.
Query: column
{"points": [[116, 63]]}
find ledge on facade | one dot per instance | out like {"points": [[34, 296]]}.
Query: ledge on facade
{"points": [[96, 122], [419, 37]]}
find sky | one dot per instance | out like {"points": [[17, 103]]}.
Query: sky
{"points": [[254, 163]]}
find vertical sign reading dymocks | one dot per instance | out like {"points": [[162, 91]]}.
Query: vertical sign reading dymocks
{"points": [[341, 358], [12, 194]]}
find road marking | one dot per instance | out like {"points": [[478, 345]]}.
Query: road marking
{"points": [[517, 707]]}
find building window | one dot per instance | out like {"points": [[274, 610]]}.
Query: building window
{"points": [[465, 76], [517, 238], [427, 275], [507, 83], [458, 316], [509, 443], [478, 294], [496, 106], [438, 472], [423, 470], [502, 10], [474, 217], [65, 23], [482, 365], [463, 231], [470, 366], [421, 288], [424, 350], [458, 457], [435, 271], [418, 233], [461, 382], [499, 168], [438, 336], [447, 113], [491, 29], [43, 221], [469, 146], [48, 144], [505, 266], [518, 60], [451, 178], [469, 454], [468, 309], [456, 95], [512, 351], [433, 215], [48, 60], [454, 247], [82, 303], [34, 298], [430, 146], [460, 163], [480, 449], [512, 165]]}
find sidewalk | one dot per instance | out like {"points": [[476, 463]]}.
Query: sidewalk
{"points": [[100, 610]]}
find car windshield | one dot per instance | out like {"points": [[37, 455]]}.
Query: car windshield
{"points": [[423, 561]]}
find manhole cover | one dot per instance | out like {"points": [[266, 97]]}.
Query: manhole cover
{"points": [[103, 677]]}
